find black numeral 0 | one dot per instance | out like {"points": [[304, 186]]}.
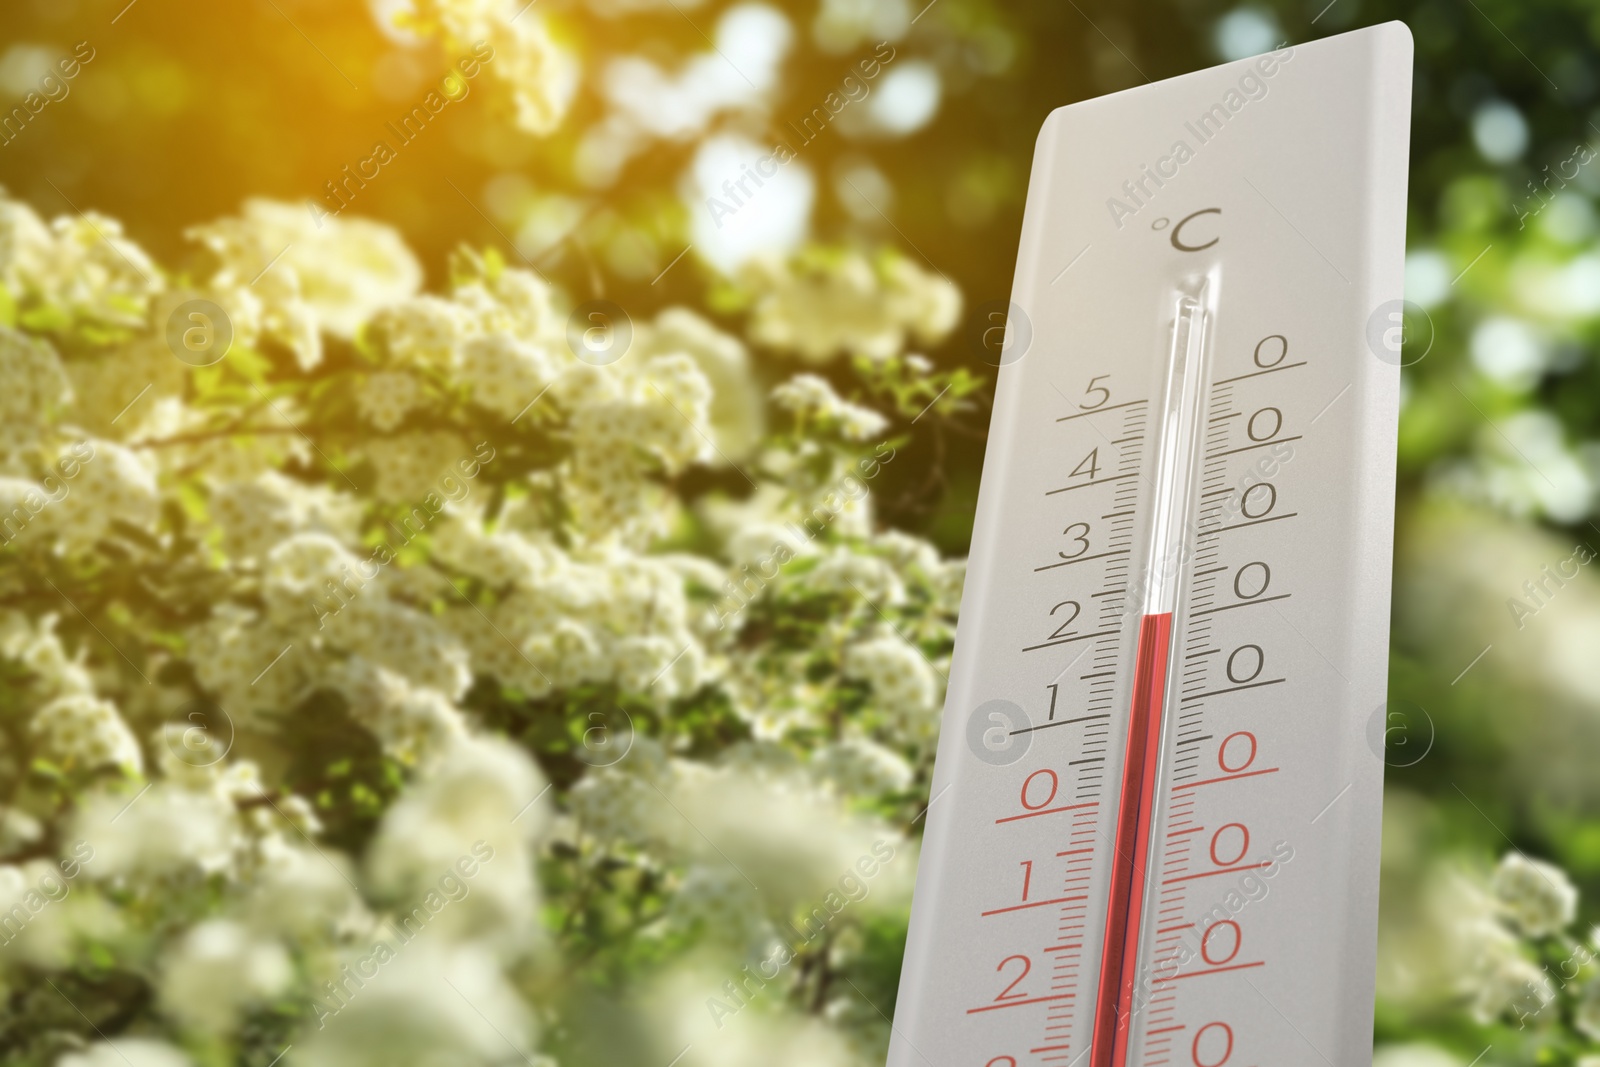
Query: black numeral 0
{"points": [[1240, 583], [1266, 357], [1245, 663], [1254, 504]]}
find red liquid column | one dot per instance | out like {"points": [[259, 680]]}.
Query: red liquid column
{"points": [[1119, 969], [1174, 464]]}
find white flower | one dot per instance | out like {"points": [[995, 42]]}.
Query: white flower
{"points": [[909, 553], [387, 397], [827, 303], [23, 507], [414, 724], [622, 805], [689, 1006], [1538, 897], [735, 415], [37, 647], [233, 650], [680, 104], [36, 387], [126, 1052], [763, 760], [407, 642], [17, 829], [80, 264], [301, 894], [85, 731], [163, 832], [1586, 1012], [813, 398], [214, 882], [502, 558], [1501, 979], [410, 466], [902, 682], [425, 330], [646, 664], [504, 373], [326, 274], [715, 898], [541, 77], [788, 838], [479, 806], [848, 574], [859, 767], [622, 426], [307, 570], [422, 1005], [114, 484], [510, 300], [1413, 1054], [216, 970], [257, 514], [105, 388], [948, 581]]}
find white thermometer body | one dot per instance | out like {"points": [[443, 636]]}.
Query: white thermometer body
{"points": [[1154, 830]]}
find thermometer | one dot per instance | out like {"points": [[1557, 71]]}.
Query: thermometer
{"points": [[1154, 820]]}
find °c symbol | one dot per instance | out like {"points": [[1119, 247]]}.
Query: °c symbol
{"points": [[1177, 231]]}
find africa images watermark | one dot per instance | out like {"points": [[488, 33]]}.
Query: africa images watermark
{"points": [[452, 887], [1539, 592], [1198, 940], [1211, 122], [339, 594], [50, 889], [851, 90], [1253, 497], [741, 590], [1532, 997], [53, 490], [452, 90], [852, 888], [1582, 156], [53, 88]]}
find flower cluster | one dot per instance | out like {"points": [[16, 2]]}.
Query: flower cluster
{"points": [[287, 636], [1520, 964], [830, 302], [539, 76]]}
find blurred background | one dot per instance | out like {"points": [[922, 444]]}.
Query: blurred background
{"points": [[589, 146]]}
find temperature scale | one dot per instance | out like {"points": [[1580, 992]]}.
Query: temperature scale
{"points": [[1153, 835]]}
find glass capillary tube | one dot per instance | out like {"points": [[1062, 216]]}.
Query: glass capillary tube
{"points": [[1177, 444], [1179, 439]]}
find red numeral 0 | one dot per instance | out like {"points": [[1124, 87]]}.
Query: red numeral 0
{"points": [[1055, 784], [1216, 839], [1205, 942], [1227, 1048], [1245, 739]]}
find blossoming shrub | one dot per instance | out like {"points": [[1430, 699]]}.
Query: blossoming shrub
{"points": [[1515, 984], [383, 683]]}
